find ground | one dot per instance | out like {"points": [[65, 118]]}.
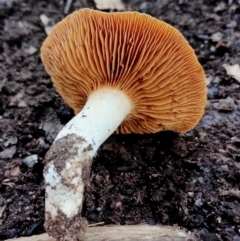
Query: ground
{"points": [[191, 180]]}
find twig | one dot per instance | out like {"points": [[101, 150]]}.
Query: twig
{"points": [[125, 233], [68, 6]]}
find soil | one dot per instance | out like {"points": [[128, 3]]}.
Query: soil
{"points": [[190, 180]]}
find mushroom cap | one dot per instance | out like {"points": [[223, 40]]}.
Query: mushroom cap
{"points": [[146, 58]]}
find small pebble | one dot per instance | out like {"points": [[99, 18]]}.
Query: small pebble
{"points": [[212, 92], [16, 99], [236, 238], [30, 50], [230, 230], [15, 171], [129, 192], [190, 194], [125, 168], [216, 80], [226, 105], [31, 229], [32, 90], [202, 36], [8, 152], [6, 3], [22, 104], [47, 22], [209, 79], [224, 168], [151, 221], [198, 202], [51, 127], [99, 209], [235, 140], [219, 219], [205, 169], [212, 48], [232, 24], [11, 141], [216, 37], [30, 161], [200, 179], [220, 7], [206, 236]]}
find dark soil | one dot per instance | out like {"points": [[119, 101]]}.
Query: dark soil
{"points": [[191, 180]]}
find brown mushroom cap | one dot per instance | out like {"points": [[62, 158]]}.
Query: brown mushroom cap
{"points": [[146, 58]]}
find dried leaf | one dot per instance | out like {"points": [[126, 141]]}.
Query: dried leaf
{"points": [[9, 184], [233, 70], [232, 192], [2, 210], [15, 171]]}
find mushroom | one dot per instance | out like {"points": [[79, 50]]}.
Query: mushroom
{"points": [[127, 72]]}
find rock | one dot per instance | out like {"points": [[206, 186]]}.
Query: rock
{"points": [[8, 152], [30, 161]]}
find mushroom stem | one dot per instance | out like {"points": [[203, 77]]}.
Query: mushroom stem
{"points": [[69, 160]]}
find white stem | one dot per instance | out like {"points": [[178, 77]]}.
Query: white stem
{"points": [[102, 114], [76, 144]]}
